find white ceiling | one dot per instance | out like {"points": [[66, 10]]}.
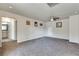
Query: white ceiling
{"points": [[41, 11]]}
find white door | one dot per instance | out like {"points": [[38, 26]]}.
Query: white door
{"points": [[0, 34], [74, 28]]}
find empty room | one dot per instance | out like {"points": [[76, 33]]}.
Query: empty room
{"points": [[39, 29]]}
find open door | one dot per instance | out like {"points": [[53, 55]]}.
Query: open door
{"points": [[0, 34], [8, 29]]}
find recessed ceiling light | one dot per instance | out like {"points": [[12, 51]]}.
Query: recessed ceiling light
{"points": [[10, 7]]}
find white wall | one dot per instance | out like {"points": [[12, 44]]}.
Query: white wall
{"points": [[12, 30], [31, 32], [25, 32], [62, 33], [74, 29], [0, 35]]}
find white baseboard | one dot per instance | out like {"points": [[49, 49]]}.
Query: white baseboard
{"points": [[7, 40], [57, 37], [74, 41], [20, 41]]}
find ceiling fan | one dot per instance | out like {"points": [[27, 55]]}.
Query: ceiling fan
{"points": [[52, 4], [54, 18]]}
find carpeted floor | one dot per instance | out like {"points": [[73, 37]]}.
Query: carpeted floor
{"points": [[41, 47]]}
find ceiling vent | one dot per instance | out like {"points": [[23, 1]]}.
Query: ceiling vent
{"points": [[52, 4]]}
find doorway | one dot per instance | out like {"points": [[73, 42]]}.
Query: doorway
{"points": [[9, 29]]}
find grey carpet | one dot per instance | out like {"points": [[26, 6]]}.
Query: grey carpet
{"points": [[44, 47]]}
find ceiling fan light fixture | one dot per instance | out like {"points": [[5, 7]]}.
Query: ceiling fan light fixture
{"points": [[51, 19], [10, 7], [52, 4]]}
